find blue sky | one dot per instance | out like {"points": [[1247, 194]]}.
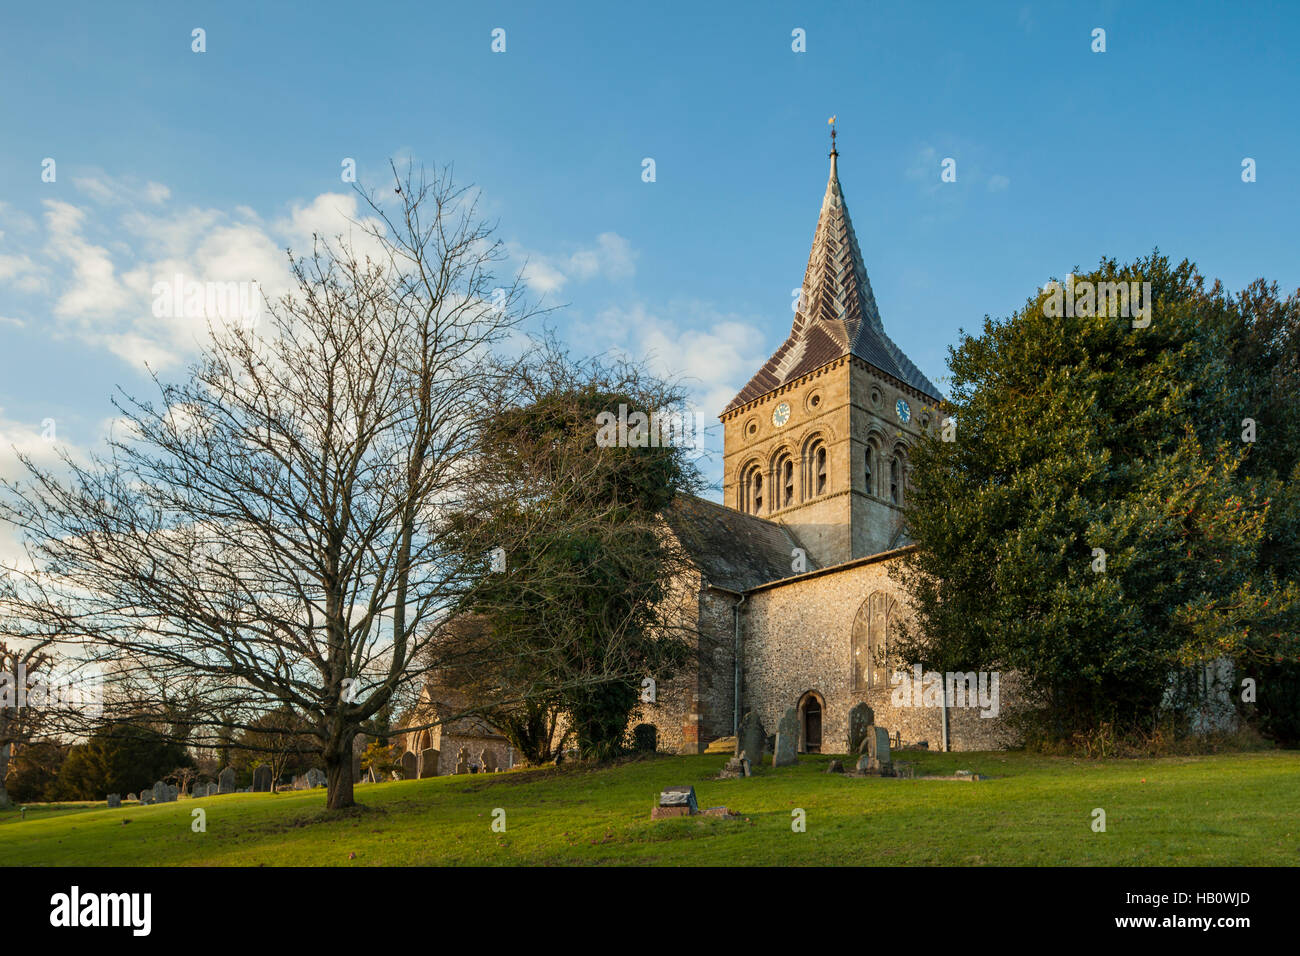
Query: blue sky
{"points": [[217, 160]]}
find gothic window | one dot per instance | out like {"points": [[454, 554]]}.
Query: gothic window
{"points": [[785, 480], [750, 492], [871, 633], [814, 464]]}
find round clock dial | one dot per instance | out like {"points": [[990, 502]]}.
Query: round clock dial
{"points": [[904, 412], [781, 414]]}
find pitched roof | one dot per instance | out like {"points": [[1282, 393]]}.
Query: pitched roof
{"points": [[732, 549], [837, 313]]}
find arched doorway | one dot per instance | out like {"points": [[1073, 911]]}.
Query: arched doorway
{"points": [[810, 722]]}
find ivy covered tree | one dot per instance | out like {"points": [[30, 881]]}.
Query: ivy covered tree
{"points": [[1098, 520], [575, 598]]}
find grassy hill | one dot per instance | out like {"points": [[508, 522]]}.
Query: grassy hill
{"points": [[1223, 809]]}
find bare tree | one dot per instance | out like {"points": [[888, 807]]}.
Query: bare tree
{"points": [[273, 532], [19, 721]]}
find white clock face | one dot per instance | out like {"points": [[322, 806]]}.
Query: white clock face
{"points": [[780, 414], [904, 412]]}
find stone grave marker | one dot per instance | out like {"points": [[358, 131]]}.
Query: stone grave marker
{"points": [[262, 779], [861, 718], [428, 766], [787, 740], [226, 781], [410, 766], [114, 801], [750, 738]]}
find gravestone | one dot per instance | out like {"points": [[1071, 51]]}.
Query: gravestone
{"points": [[262, 779], [736, 767], [146, 797], [878, 747], [226, 781], [173, 792], [462, 761], [114, 801], [410, 766], [316, 778], [159, 792], [487, 760], [787, 740], [428, 766], [131, 798], [750, 738], [679, 797], [861, 718], [835, 767]]}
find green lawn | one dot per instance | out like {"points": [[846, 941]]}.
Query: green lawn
{"points": [[1221, 810]]}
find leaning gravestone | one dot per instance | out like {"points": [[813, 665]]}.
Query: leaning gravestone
{"points": [[750, 738], [146, 797], [159, 792], [114, 801], [226, 781], [861, 718], [262, 779], [787, 740], [131, 798], [410, 766]]}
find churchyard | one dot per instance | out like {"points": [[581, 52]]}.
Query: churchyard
{"points": [[1224, 809]]}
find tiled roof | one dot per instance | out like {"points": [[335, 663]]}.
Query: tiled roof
{"points": [[732, 549], [837, 314]]}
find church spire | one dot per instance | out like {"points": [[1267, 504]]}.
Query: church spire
{"points": [[837, 313]]}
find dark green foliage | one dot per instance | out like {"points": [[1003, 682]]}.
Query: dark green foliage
{"points": [[578, 616], [118, 758], [1083, 433]]}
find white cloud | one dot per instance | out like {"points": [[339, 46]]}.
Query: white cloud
{"points": [[610, 257]]}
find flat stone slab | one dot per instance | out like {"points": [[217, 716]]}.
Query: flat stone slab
{"points": [[679, 797]]}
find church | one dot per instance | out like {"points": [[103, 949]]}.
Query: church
{"points": [[791, 599], [790, 603]]}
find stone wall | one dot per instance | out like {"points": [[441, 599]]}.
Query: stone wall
{"points": [[797, 639]]}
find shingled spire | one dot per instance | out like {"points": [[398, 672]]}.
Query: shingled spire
{"points": [[837, 313]]}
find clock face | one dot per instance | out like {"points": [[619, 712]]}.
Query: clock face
{"points": [[781, 414], [904, 412]]}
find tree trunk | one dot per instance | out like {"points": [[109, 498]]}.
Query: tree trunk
{"points": [[338, 776], [5, 802]]}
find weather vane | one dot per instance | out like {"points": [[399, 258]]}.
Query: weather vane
{"points": [[831, 121]]}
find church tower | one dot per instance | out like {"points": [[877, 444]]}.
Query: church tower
{"points": [[818, 440]]}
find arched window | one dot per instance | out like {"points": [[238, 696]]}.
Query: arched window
{"points": [[897, 474], [871, 634], [750, 493], [814, 467], [784, 474], [869, 472]]}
